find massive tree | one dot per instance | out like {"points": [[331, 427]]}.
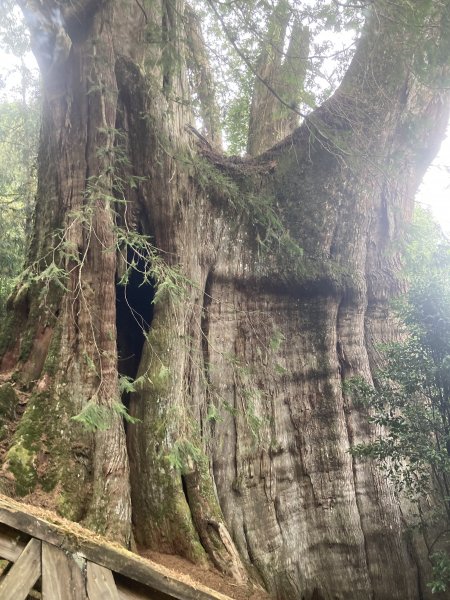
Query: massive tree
{"points": [[221, 300]]}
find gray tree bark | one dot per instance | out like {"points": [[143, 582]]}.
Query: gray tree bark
{"points": [[241, 379]]}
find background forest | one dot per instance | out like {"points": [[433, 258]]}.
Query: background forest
{"points": [[19, 126], [273, 63]]}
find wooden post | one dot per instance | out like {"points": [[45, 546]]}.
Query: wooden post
{"points": [[11, 546], [62, 577], [100, 583], [18, 583]]}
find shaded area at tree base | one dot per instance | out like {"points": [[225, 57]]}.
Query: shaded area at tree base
{"points": [[209, 577], [167, 574]]}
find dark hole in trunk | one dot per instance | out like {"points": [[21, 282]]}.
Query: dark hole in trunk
{"points": [[185, 490], [134, 313]]}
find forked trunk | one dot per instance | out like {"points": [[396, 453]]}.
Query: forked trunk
{"points": [[270, 285]]}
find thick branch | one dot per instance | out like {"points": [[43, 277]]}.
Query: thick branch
{"points": [[393, 92], [271, 120], [203, 80]]}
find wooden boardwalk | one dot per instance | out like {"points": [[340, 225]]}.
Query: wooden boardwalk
{"points": [[53, 561]]}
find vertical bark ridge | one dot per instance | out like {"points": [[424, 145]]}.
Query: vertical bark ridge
{"points": [[279, 334], [346, 317], [353, 359]]}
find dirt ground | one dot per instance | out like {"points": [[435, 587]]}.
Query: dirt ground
{"points": [[208, 577]]}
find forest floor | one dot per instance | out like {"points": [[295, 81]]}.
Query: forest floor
{"points": [[209, 577], [41, 505]]}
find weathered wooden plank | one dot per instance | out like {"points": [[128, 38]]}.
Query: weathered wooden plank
{"points": [[11, 546], [120, 561], [100, 583], [125, 563], [62, 576], [23, 575], [22, 521]]}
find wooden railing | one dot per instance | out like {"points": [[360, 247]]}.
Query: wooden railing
{"points": [[49, 560]]}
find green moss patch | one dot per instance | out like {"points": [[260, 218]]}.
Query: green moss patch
{"points": [[21, 465]]}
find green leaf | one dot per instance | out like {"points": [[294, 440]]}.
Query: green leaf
{"points": [[126, 384], [122, 411], [94, 417]]}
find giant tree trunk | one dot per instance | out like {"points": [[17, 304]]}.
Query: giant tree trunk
{"points": [[272, 285]]}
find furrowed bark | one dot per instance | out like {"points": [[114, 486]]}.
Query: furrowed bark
{"points": [[334, 182], [241, 448]]}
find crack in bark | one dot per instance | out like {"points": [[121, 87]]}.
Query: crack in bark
{"points": [[204, 342]]}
